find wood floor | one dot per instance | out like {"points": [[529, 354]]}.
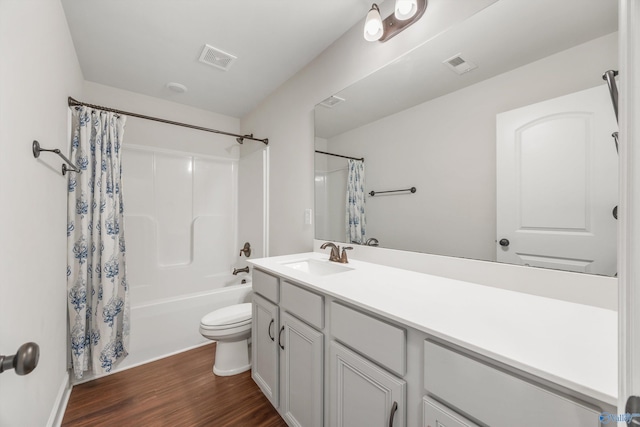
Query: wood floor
{"points": [[177, 391]]}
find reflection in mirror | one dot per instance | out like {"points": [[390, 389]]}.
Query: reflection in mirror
{"points": [[503, 125]]}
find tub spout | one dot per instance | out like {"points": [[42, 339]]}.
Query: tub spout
{"points": [[240, 270]]}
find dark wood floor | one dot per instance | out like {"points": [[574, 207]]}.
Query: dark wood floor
{"points": [[176, 391]]}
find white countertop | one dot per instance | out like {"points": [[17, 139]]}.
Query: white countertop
{"points": [[569, 344]]}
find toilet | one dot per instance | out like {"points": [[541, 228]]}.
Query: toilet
{"points": [[231, 328]]}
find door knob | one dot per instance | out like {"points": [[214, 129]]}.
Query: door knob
{"points": [[504, 242], [24, 361]]}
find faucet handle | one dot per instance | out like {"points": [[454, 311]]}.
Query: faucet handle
{"points": [[246, 249], [343, 257]]}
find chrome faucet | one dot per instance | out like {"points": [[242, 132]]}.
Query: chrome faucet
{"points": [[335, 251], [240, 270]]}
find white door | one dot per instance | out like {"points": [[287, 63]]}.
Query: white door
{"points": [[253, 199], [629, 291], [557, 184], [301, 378]]}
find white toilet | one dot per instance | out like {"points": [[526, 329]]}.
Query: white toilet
{"points": [[231, 328]]}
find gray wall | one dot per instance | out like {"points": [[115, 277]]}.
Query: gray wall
{"points": [[38, 71]]}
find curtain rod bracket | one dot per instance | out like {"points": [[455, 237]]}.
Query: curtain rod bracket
{"points": [[75, 103], [35, 147]]}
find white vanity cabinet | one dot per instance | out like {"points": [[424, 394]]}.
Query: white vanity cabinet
{"points": [[288, 349], [495, 397], [301, 381], [363, 394], [265, 369], [344, 350]]}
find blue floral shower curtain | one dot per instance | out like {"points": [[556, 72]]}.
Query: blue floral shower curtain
{"points": [[355, 217], [98, 302]]}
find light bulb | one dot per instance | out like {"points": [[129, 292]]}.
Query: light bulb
{"points": [[373, 24], [405, 9]]}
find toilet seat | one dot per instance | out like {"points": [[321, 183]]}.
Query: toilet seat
{"points": [[227, 318], [206, 327]]}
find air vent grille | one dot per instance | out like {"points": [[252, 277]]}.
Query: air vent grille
{"points": [[216, 58], [458, 64], [332, 101]]}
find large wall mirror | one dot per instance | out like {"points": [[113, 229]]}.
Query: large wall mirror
{"points": [[502, 124]]}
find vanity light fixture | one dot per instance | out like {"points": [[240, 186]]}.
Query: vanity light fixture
{"points": [[405, 9], [406, 13], [373, 24]]}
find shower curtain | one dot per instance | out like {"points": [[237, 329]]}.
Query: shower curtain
{"points": [[355, 217], [98, 303]]}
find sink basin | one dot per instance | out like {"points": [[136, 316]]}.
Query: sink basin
{"points": [[316, 267]]}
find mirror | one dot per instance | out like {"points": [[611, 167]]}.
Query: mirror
{"points": [[502, 124]]}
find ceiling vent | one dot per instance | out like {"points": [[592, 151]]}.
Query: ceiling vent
{"points": [[216, 58], [332, 101], [458, 64]]}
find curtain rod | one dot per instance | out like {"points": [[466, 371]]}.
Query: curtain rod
{"points": [[340, 155], [239, 138]]}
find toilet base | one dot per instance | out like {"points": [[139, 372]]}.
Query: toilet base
{"points": [[232, 358]]}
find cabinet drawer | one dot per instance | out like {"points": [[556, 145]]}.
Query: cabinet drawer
{"points": [[302, 303], [266, 285], [379, 341], [436, 415], [496, 398]]}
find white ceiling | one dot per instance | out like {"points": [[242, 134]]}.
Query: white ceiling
{"points": [[141, 45]]}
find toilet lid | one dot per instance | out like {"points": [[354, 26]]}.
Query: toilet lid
{"points": [[226, 316]]}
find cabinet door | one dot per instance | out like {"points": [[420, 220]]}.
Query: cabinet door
{"points": [[264, 347], [363, 394], [301, 377]]}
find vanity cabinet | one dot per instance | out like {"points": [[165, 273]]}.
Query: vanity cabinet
{"points": [[326, 356], [302, 349], [288, 349], [363, 394], [497, 398], [265, 369], [437, 415], [365, 386]]}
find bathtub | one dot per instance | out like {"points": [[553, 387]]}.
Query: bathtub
{"points": [[169, 326]]}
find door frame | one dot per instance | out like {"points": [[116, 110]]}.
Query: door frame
{"points": [[629, 224]]}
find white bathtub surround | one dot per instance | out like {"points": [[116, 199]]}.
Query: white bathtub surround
{"points": [[181, 221], [568, 344]]}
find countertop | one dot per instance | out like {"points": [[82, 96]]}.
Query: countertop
{"points": [[572, 345]]}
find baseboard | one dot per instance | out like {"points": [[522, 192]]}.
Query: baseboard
{"points": [[60, 404]]}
